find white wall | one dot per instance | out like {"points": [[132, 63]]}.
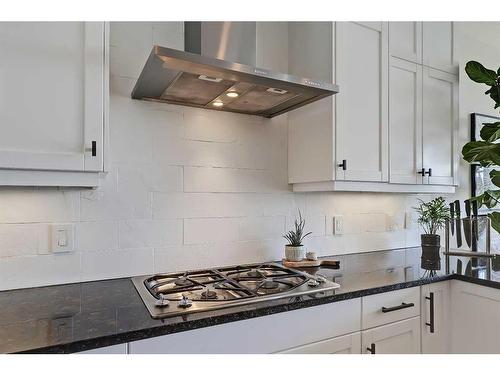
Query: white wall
{"points": [[188, 188]]}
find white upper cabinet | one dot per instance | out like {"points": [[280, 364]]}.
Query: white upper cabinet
{"points": [[440, 127], [437, 50], [361, 106], [392, 127], [53, 102], [405, 40], [426, 43], [405, 122]]}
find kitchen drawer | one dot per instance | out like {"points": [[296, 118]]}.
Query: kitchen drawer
{"points": [[348, 344], [389, 307], [266, 334]]}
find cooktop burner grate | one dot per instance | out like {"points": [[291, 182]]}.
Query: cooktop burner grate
{"points": [[223, 287]]}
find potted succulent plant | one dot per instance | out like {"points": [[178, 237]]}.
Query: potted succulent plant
{"points": [[294, 250], [432, 217]]}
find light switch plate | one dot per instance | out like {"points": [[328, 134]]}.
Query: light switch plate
{"points": [[338, 224], [62, 238]]}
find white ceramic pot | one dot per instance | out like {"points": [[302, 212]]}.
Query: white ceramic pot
{"points": [[294, 253]]}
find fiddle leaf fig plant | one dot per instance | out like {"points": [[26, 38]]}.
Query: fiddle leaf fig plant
{"points": [[486, 152]]}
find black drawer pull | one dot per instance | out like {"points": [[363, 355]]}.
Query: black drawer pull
{"points": [[371, 349], [394, 308], [343, 165], [431, 307]]}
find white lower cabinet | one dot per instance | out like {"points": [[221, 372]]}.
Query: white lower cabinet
{"points": [[348, 344], [475, 319], [402, 337], [436, 318], [269, 334], [112, 349]]}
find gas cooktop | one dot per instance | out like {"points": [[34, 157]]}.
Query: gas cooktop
{"points": [[180, 293]]}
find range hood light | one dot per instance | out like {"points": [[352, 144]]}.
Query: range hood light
{"points": [[217, 104], [210, 79], [276, 91], [232, 94]]}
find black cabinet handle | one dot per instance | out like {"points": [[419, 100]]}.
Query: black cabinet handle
{"points": [[431, 309], [429, 172], [92, 149], [400, 307], [343, 165], [422, 171], [371, 349]]}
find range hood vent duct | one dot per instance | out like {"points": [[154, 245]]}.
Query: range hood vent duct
{"points": [[217, 71]]}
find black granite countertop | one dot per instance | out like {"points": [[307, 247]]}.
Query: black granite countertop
{"points": [[82, 316]]}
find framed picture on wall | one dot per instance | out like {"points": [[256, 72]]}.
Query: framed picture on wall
{"points": [[480, 176]]}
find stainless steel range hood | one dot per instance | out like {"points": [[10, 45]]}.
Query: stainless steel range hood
{"points": [[212, 74]]}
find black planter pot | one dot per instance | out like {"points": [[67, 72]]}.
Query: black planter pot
{"points": [[430, 259]]}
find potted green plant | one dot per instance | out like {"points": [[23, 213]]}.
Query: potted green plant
{"points": [[432, 217], [294, 250]]}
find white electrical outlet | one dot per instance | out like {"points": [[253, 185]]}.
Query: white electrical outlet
{"points": [[62, 238], [338, 225]]}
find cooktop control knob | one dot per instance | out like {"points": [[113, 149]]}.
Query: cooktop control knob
{"points": [[312, 283], [320, 279], [185, 302], [162, 301]]}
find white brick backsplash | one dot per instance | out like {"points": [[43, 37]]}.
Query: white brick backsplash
{"points": [[198, 179], [24, 205], [169, 34], [29, 271], [18, 239], [261, 228], [109, 264], [187, 257], [191, 205], [370, 241], [314, 224], [131, 43], [328, 245], [150, 233], [99, 235], [210, 230], [150, 177], [206, 126]]}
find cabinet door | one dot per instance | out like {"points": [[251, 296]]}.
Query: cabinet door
{"points": [[52, 85], [405, 40], [405, 122], [397, 338], [436, 318], [348, 344], [437, 46], [362, 104], [440, 126], [475, 326]]}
